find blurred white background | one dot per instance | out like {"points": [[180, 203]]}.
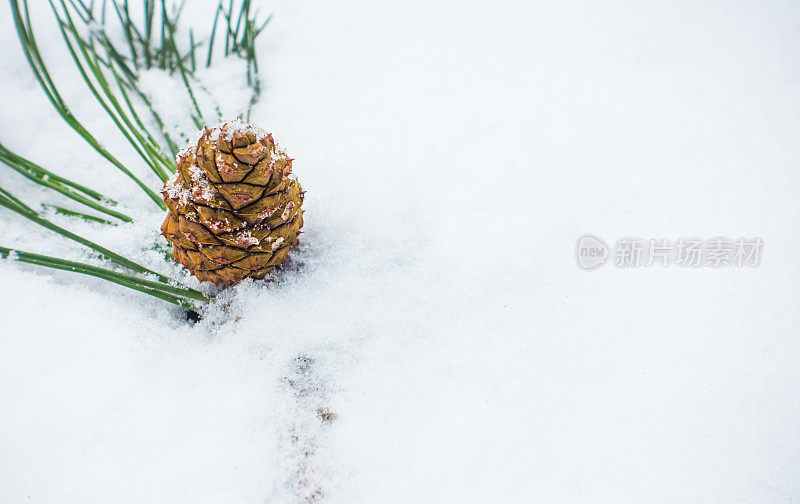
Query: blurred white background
{"points": [[453, 153]]}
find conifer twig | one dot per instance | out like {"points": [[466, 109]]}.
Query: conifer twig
{"points": [[165, 292], [14, 204], [70, 189], [87, 61], [36, 62]]}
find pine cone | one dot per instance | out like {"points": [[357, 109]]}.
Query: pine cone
{"points": [[234, 210]]}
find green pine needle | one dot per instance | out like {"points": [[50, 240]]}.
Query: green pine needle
{"points": [[30, 48], [72, 213], [70, 189], [9, 201], [111, 72], [168, 293]]}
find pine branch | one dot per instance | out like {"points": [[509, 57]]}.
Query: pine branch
{"points": [[72, 213], [9, 201], [36, 62], [87, 60], [70, 189], [173, 47], [111, 72], [165, 292]]}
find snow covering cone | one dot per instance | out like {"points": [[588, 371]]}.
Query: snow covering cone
{"points": [[235, 211]]}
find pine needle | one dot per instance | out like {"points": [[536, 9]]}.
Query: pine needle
{"points": [[14, 204], [167, 293], [72, 213], [70, 189], [36, 62]]}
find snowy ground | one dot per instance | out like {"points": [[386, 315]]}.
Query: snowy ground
{"points": [[453, 152]]}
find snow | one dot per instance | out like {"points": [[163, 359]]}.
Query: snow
{"points": [[245, 238], [453, 154], [176, 189], [234, 126]]}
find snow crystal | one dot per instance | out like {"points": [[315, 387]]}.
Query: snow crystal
{"points": [[287, 211], [191, 145], [215, 134], [201, 187], [176, 189], [266, 212], [276, 154], [230, 128], [245, 238]]}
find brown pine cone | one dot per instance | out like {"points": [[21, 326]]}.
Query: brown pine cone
{"points": [[234, 208]]}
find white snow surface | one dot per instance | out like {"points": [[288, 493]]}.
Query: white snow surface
{"points": [[453, 152]]}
